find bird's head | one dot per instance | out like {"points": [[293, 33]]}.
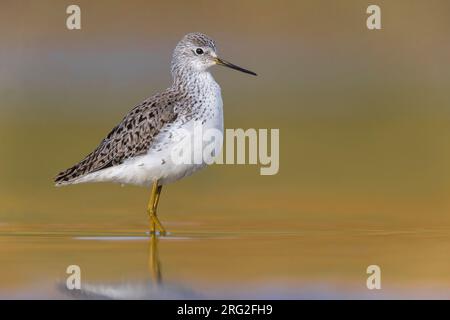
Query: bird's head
{"points": [[197, 52]]}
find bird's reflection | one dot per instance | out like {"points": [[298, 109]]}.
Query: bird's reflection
{"points": [[152, 288], [154, 264]]}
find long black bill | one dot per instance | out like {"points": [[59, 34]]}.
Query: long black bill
{"points": [[233, 66]]}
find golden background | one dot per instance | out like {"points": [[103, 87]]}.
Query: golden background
{"points": [[364, 158]]}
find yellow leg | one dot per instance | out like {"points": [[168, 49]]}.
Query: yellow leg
{"points": [[152, 206]]}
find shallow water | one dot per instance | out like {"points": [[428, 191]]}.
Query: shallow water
{"points": [[309, 232], [313, 263]]}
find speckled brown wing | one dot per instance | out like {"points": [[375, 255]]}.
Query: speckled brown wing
{"points": [[132, 137]]}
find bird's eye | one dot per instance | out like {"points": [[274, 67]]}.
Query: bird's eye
{"points": [[199, 51]]}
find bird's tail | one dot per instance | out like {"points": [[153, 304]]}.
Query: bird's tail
{"points": [[67, 176]]}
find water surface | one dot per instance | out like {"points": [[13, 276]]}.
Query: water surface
{"points": [[193, 264]]}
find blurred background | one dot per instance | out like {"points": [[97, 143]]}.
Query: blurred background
{"points": [[363, 115]]}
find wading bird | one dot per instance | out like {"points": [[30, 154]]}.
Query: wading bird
{"points": [[139, 149]]}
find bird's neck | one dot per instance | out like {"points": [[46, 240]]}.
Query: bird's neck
{"points": [[192, 80]]}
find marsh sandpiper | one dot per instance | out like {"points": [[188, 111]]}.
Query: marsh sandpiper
{"points": [[138, 150]]}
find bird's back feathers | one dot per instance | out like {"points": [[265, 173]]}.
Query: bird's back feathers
{"points": [[133, 136]]}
